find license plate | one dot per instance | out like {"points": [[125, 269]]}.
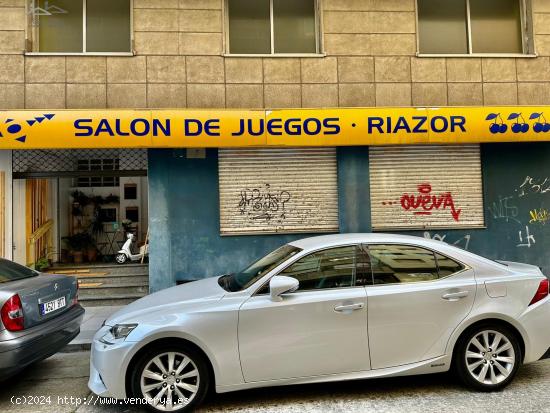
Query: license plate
{"points": [[50, 306]]}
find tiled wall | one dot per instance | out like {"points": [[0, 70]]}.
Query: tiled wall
{"points": [[370, 47]]}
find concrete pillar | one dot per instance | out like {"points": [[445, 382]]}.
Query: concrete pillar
{"points": [[161, 274], [354, 189], [6, 168]]}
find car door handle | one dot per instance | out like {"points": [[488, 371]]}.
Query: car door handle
{"points": [[455, 296], [349, 307]]}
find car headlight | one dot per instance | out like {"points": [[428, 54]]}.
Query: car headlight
{"points": [[119, 331]]}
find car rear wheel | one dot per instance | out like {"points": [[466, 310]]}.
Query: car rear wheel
{"points": [[171, 378], [488, 357]]}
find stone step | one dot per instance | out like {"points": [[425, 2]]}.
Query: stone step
{"points": [[112, 300], [107, 291], [95, 269], [108, 285], [107, 280]]}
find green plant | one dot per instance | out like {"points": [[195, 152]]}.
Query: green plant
{"points": [[84, 200], [80, 200], [42, 264], [96, 226], [79, 242], [127, 225], [111, 199]]}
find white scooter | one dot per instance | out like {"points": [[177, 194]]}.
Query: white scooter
{"points": [[125, 254]]}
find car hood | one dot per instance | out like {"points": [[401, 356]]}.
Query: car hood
{"points": [[190, 295]]}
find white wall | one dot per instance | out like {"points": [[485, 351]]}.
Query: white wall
{"points": [[64, 208], [6, 167], [140, 202], [19, 228]]}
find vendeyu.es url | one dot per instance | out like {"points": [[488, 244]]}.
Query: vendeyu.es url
{"points": [[91, 400]]}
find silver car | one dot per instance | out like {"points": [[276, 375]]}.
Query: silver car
{"points": [[39, 315], [328, 308]]}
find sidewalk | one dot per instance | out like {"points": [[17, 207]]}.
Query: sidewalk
{"points": [[93, 319]]}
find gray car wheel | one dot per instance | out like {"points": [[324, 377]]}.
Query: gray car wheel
{"points": [[488, 357], [171, 379]]}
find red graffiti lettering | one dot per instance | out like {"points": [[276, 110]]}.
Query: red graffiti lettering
{"points": [[424, 202]]}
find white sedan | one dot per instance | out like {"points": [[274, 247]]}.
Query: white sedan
{"points": [[328, 308]]}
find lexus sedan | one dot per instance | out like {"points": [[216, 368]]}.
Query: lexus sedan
{"points": [[39, 315], [328, 308]]}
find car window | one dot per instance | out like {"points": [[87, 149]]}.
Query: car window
{"points": [[255, 271], [363, 268], [447, 266], [10, 271], [331, 268], [394, 264]]}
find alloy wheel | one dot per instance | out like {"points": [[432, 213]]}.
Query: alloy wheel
{"points": [[170, 381], [490, 357]]}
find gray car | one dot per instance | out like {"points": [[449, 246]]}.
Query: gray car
{"points": [[39, 315]]}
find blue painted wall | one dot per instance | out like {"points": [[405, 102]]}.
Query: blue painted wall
{"points": [[509, 198], [185, 241], [354, 189], [184, 212]]}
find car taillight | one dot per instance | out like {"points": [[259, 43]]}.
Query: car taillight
{"points": [[12, 314], [542, 292]]}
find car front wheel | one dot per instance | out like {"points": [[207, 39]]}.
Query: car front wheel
{"points": [[488, 357], [171, 378]]}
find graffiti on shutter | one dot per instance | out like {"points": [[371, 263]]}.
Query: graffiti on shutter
{"points": [[420, 187], [278, 191]]}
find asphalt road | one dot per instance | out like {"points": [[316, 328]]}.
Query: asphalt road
{"points": [[65, 375]]}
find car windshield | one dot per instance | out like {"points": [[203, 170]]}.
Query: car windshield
{"points": [[10, 271], [245, 278]]}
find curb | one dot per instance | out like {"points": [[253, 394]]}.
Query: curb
{"points": [[76, 347]]}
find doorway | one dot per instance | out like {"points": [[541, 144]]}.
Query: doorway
{"points": [[75, 207]]}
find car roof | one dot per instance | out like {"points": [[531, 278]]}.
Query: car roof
{"points": [[325, 241]]}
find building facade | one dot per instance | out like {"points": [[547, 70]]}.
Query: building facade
{"points": [[213, 210]]}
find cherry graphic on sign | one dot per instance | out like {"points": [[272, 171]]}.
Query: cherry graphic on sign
{"points": [[518, 127], [498, 125], [541, 124]]}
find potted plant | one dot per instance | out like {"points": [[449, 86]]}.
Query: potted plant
{"points": [[80, 200], [42, 264], [91, 253], [78, 243], [126, 226]]}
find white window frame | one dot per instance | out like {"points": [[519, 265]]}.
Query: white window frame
{"points": [[527, 37], [318, 35], [29, 31]]}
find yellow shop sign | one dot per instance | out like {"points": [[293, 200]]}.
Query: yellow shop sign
{"points": [[68, 129]]}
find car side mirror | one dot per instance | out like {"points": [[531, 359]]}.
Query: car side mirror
{"points": [[280, 285]]}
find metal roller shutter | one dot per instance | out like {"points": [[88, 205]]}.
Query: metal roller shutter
{"points": [[421, 187], [265, 191]]}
